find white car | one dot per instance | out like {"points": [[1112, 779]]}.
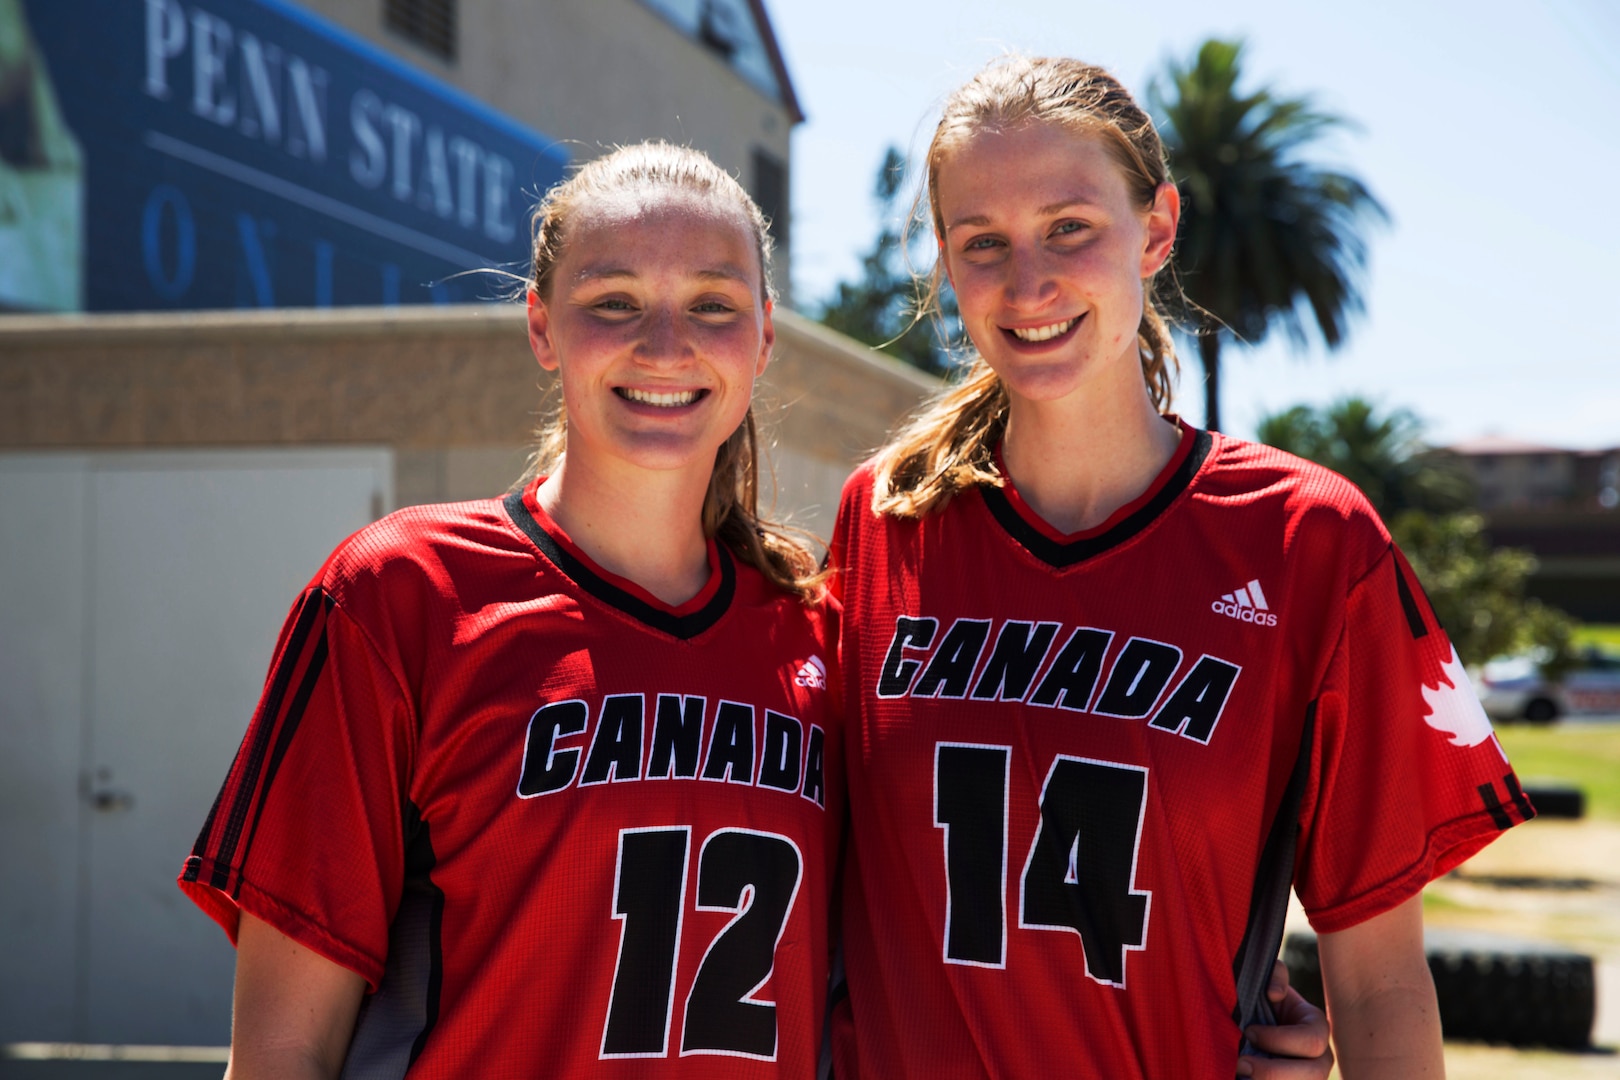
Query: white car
{"points": [[1512, 688]]}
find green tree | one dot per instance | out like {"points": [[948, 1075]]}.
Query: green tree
{"points": [[1478, 591], [1267, 238], [1384, 456], [878, 307]]}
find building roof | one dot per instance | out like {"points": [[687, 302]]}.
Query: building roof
{"points": [[767, 32], [740, 33], [1502, 444]]}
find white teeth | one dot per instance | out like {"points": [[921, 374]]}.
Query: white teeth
{"points": [[647, 397], [1045, 333]]}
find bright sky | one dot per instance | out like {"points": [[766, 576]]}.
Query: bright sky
{"points": [[1490, 131]]}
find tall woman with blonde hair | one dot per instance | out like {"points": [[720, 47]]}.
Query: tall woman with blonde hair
{"points": [[1114, 683]]}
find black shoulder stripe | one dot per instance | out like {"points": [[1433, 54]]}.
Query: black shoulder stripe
{"points": [[1414, 617], [310, 614], [1058, 554], [200, 848], [289, 728], [1268, 902], [676, 626]]}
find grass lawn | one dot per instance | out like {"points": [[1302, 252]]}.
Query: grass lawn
{"points": [[1606, 638], [1585, 755]]}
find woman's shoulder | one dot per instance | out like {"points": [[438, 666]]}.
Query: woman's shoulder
{"points": [[860, 482], [423, 546], [1315, 505], [1237, 466]]}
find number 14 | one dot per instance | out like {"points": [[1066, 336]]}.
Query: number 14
{"points": [[1080, 870]]}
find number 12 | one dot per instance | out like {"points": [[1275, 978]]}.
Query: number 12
{"points": [[754, 874], [1081, 866]]}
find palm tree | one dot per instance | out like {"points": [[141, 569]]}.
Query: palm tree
{"points": [[879, 308], [1383, 455], [1266, 237]]}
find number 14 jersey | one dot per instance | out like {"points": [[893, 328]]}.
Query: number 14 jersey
{"points": [[1084, 769]]}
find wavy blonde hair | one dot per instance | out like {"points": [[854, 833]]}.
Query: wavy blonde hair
{"points": [[731, 505], [949, 446]]}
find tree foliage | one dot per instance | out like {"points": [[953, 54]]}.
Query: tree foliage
{"points": [[1384, 456], [1478, 592], [878, 307], [1267, 238]]}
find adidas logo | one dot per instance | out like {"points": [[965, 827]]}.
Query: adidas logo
{"points": [[1247, 604], [812, 673]]}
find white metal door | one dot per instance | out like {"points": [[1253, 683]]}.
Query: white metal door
{"points": [[44, 503], [188, 562]]}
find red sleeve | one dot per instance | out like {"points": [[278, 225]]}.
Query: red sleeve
{"points": [[1409, 780], [852, 504], [307, 831]]}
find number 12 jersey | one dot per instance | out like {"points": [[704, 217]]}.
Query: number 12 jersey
{"points": [[1085, 769], [560, 828]]}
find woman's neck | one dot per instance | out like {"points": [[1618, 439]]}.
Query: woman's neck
{"points": [[647, 527], [1077, 460]]}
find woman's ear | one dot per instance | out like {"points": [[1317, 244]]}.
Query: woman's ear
{"points": [[545, 350], [1162, 220], [767, 340]]}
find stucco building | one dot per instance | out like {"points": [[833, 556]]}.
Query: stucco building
{"points": [[597, 73], [1561, 504]]}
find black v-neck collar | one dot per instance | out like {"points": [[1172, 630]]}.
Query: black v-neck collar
{"points": [[1065, 553], [682, 626]]}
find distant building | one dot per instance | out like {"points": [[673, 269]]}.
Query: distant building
{"points": [[181, 154], [1510, 474], [597, 73], [1561, 504]]}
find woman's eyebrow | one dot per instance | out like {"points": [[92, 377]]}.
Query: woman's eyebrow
{"points": [[722, 272], [726, 272], [1044, 211], [599, 273]]}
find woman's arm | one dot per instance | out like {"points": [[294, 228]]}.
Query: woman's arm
{"points": [[294, 1009], [1380, 996]]}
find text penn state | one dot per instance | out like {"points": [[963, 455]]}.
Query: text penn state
{"points": [[1132, 683], [789, 758]]}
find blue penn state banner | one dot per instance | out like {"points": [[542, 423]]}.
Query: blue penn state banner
{"points": [[245, 153]]}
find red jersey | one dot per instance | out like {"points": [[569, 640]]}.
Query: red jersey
{"points": [[1083, 769], [561, 828]]}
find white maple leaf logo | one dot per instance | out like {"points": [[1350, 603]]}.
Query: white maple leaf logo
{"points": [[1454, 708]]}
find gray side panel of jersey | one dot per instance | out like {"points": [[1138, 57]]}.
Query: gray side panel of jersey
{"points": [[1268, 904], [394, 1022]]}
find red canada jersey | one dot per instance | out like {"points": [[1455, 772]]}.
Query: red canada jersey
{"points": [[561, 828], [1084, 769]]}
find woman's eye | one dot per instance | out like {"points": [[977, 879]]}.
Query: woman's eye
{"points": [[1068, 228], [713, 307], [981, 243], [614, 305]]}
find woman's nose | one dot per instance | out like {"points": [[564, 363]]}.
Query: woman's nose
{"points": [[1029, 282], [662, 338]]}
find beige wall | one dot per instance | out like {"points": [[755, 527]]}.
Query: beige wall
{"points": [[453, 392], [593, 74]]}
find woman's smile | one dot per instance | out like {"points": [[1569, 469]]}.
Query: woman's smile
{"points": [[666, 399], [1035, 335]]}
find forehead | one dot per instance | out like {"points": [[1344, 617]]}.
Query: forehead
{"points": [[660, 232], [1029, 167]]}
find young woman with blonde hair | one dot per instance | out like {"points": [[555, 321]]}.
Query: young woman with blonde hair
{"points": [[1114, 683], [552, 785]]}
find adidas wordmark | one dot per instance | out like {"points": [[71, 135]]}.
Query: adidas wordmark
{"points": [[1247, 604], [812, 673]]}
